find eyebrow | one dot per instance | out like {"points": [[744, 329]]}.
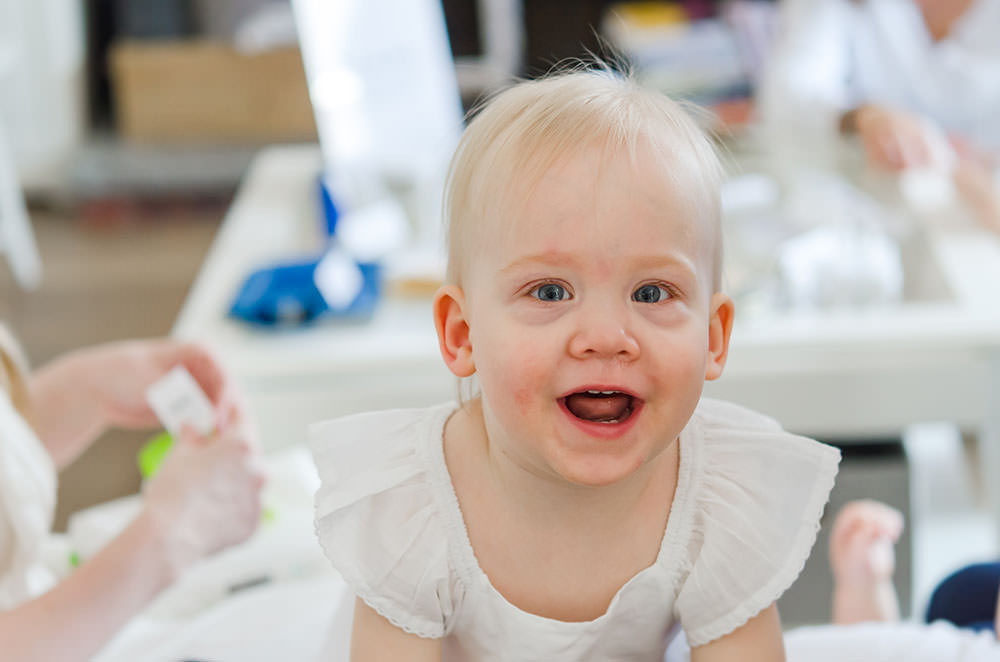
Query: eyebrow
{"points": [[557, 259], [553, 259]]}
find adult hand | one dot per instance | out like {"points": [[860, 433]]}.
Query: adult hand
{"points": [[206, 496], [894, 139], [979, 190], [121, 372], [77, 396]]}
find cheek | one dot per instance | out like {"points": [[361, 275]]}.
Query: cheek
{"points": [[521, 398], [683, 359], [513, 370]]}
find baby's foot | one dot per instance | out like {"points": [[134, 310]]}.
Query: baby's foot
{"points": [[862, 558], [862, 542]]}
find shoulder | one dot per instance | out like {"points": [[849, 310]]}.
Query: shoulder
{"points": [[758, 495], [377, 513], [719, 414], [739, 444]]}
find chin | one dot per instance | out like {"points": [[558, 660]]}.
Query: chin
{"points": [[599, 471]]}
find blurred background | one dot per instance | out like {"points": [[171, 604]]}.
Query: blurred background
{"points": [[131, 131], [131, 122]]}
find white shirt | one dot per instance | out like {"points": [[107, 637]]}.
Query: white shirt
{"points": [[832, 55], [744, 517], [879, 642], [27, 504], [891, 642]]}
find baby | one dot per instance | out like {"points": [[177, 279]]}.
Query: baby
{"points": [[586, 504]]}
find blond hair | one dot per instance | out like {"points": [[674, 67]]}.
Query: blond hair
{"points": [[13, 373], [526, 128]]}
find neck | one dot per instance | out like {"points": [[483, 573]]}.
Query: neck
{"points": [[552, 502], [941, 15]]}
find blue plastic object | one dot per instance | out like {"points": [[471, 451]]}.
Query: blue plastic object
{"points": [[328, 208], [285, 294]]}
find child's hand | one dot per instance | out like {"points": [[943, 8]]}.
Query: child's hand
{"points": [[862, 543], [206, 496]]}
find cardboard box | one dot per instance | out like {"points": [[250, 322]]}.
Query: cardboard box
{"points": [[206, 91]]}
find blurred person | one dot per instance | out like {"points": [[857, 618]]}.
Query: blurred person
{"points": [[866, 625], [204, 498], [915, 80]]}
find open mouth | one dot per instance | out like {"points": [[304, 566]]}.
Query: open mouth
{"points": [[607, 407]]}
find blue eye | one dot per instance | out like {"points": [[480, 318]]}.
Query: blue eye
{"points": [[650, 294], [550, 292]]}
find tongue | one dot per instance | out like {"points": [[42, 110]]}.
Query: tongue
{"points": [[598, 407]]}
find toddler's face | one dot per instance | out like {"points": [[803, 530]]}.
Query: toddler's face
{"points": [[590, 313]]}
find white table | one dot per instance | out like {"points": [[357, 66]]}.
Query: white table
{"points": [[298, 376], [845, 374]]}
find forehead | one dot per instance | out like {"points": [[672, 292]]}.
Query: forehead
{"points": [[604, 203]]}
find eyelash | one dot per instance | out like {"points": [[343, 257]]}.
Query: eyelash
{"points": [[669, 289], [534, 289]]}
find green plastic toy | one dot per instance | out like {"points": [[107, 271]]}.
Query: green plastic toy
{"points": [[152, 454]]}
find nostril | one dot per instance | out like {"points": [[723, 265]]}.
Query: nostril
{"points": [[605, 341]]}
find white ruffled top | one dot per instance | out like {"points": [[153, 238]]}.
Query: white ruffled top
{"points": [[745, 515], [27, 504]]}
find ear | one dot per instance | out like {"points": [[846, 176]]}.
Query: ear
{"points": [[720, 326], [453, 330]]}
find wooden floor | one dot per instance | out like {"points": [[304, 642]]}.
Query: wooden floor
{"points": [[106, 277]]}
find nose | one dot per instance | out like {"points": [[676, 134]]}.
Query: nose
{"points": [[603, 332]]}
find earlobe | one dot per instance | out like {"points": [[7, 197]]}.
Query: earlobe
{"points": [[453, 330], [720, 327]]}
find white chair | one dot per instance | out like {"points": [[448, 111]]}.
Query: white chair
{"points": [[16, 237]]}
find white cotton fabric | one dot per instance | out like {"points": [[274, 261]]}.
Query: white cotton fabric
{"points": [[891, 642], [27, 504], [744, 518]]}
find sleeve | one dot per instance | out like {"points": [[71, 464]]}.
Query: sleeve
{"points": [[377, 522], [758, 505]]}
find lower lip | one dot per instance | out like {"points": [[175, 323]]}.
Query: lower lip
{"points": [[603, 430]]}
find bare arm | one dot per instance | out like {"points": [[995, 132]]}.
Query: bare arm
{"points": [[759, 640], [374, 639], [205, 498], [64, 411], [75, 619]]}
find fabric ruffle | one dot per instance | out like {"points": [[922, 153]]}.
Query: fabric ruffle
{"points": [[758, 506], [376, 518]]}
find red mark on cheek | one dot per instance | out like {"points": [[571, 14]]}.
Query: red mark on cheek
{"points": [[522, 397]]}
